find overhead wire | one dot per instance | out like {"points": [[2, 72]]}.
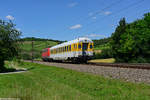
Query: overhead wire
{"points": [[93, 14], [129, 6]]}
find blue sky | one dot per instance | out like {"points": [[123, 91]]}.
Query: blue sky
{"points": [[69, 19]]}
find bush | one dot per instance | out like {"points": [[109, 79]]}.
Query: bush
{"points": [[106, 53], [26, 56]]}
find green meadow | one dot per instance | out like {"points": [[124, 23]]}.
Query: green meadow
{"points": [[43, 82]]}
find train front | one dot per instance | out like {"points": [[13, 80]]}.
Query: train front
{"points": [[85, 48]]}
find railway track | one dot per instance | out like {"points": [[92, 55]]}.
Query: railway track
{"points": [[119, 65], [123, 65]]}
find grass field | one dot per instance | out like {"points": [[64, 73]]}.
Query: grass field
{"points": [[109, 60], [51, 83]]}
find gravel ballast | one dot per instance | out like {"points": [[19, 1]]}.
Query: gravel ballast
{"points": [[127, 74]]}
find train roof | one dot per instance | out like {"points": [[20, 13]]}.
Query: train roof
{"points": [[78, 40]]}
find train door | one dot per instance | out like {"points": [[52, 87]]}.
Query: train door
{"points": [[84, 48]]}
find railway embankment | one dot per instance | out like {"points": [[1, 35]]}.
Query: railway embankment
{"points": [[124, 73]]}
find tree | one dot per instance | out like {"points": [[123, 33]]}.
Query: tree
{"points": [[131, 42], [116, 39], [8, 42]]}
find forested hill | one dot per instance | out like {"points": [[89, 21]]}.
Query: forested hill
{"points": [[39, 39]]}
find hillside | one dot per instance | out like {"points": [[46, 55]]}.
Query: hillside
{"points": [[38, 45]]}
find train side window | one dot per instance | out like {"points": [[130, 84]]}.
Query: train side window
{"points": [[79, 46], [70, 47], [67, 48]]}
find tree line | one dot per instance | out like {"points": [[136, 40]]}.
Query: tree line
{"points": [[130, 42], [39, 39]]}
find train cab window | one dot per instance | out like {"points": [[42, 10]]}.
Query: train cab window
{"points": [[85, 46], [91, 46], [79, 46]]}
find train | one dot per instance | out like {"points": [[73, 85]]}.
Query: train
{"points": [[79, 50]]}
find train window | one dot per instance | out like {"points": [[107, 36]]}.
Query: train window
{"points": [[91, 46], [85, 46], [67, 48], [74, 45], [70, 47], [79, 46]]}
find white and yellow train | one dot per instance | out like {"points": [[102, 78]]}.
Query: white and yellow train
{"points": [[78, 50]]}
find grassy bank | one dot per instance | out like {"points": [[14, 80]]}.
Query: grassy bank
{"points": [[109, 60], [51, 83]]}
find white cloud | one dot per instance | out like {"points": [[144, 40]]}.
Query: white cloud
{"points": [[107, 13], [95, 35], [90, 14], [73, 4], [10, 17], [76, 26], [18, 29], [94, 17]]}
